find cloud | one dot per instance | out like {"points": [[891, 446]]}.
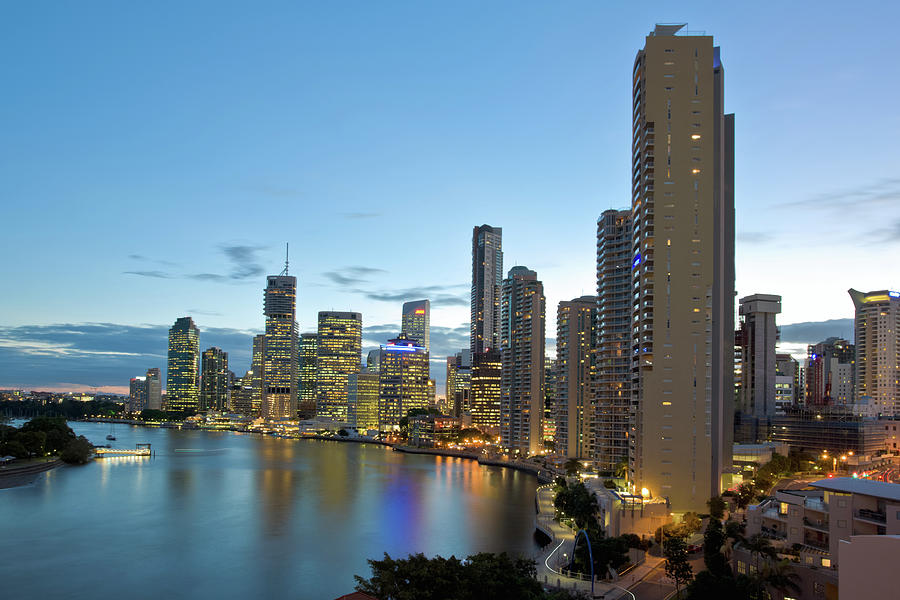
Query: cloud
{"points": [[883, 192], [360, 215], [244, 261], [439, 295], [351, 275], [205, 313], [813, 332], [155, 274], [99, 354], [886, 235], [755, 237]]}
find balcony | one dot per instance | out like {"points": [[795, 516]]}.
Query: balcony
{"points": [[818, 524], [871, 516], [816, 543]]}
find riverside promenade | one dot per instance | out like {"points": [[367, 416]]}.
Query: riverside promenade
{"points": [[556, 553]]}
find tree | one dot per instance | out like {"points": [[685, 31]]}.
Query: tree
{"points": [[677, 566], [780, 576], [734, 530], [759, 546], [572, 467], [691, 523], [482, 576], [713, 540], [745, 494], [717, 506], [78, 452], [577, 503]]}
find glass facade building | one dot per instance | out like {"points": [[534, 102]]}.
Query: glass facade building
{"points": [[338, 354], [183, 366]]}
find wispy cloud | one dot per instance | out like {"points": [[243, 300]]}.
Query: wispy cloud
{"points": [[755, 237], [351, 275], [242, 262], [98, 354], [882, 192], [886, 235], [154, 274]]}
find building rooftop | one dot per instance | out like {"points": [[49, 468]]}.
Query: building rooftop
{"points": [[867, 487]]}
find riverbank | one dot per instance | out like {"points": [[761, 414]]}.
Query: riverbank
{"points": [[15, 475]]}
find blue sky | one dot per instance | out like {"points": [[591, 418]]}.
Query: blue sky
{"points": [[157, 157]]}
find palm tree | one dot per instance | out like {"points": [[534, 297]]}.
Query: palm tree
{"points": [[780, 576], [758, 546]]}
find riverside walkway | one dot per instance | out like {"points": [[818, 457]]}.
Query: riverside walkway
{"points": [[556, 553]]}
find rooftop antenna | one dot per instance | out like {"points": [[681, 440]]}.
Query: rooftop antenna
{"points": [[286, 248]]}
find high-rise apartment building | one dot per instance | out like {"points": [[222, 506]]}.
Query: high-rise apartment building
{"points": [[484, 394], [682, 270], [459, 382], [362, 400], [612, 333], [403, 380], [183, 366], [522, 313], [787, 383], [242, 395], [154, 389], [487, 273], [877, 341], [829, 373], [306, 365], [416, 323], [137, 394], [280, 375], [257, 361], [574, 386], [215, 384], [338, 354], [758, 335], [548, 426]]}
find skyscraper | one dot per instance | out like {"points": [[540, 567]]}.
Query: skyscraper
{"points": [[487, 272], [307, 367], [338, 353], [877, 337], [416, 323], [522, 355], [574, 387], [154, 389], [362, 400], [280, 381], [183, 366], [256, 378], [403, 380], [484, 395], [459, 382], [829, 372], [137, 394], [682, 270], [612, 357], [242, 394], [758, 335], [214, 380]]}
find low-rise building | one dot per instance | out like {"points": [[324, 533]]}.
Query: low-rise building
{"points": [[430, 431], [621, 512]]}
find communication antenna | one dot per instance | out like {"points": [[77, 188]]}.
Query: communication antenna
{"points": [[286, 248]]}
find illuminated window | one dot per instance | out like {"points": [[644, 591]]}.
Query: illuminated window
{"points": [[695, 136]]}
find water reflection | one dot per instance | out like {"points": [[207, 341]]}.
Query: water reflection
{"points": [[237, 516]]}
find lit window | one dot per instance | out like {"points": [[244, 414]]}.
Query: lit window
{"points": [[695, 136]]}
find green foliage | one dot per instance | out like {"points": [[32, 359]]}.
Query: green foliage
{"points": [[343, 432], [717, 506], [13, 448], [607, 552], [482, 576], [38, 437], [609, 484], [572, 467], [746, 492], [577, 503], [677, 566], [713, 540], [734, 530], [70, 410], [78, 452], [471, 433]]}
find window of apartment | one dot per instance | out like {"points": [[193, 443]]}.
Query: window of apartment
{"points": [[842, 503], [842, 524], [809, 560], [741, 567], [826, 562]]}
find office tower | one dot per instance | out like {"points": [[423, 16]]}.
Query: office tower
{"points": [[757, 336], [338, 352], [416, 323], [522, 355], [257, 361], [484, 395], [829, 372], [459, 382], [306, 364], [612, 333], [214, 381], [280, 375], [137, 394], [183, 366], [574, 388], [242, 395], [487, 272], [372, 358], [549, 423], [877, 341], [403, 380], [154, 389], [682, 270], [362, 400], [787, 380]]}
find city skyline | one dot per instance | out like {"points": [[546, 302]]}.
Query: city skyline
{"points": [[116, 281]]}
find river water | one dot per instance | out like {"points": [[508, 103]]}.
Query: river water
{"points": [[228, 515]]}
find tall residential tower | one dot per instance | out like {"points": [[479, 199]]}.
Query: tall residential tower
{"points": [[183, 366], [878, 350], [487, 273], [682, 270], [416, 323]]}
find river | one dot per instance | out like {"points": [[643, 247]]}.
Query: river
{"points": [[229, 515]]}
